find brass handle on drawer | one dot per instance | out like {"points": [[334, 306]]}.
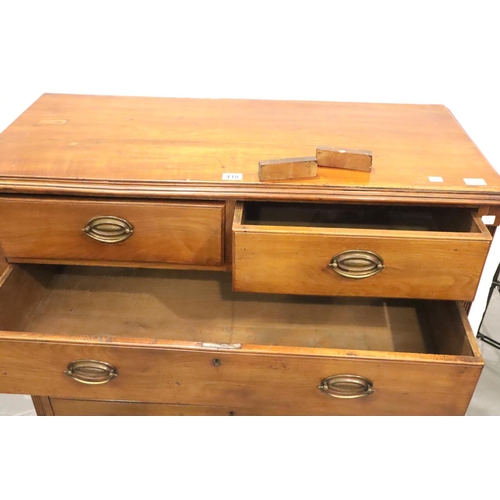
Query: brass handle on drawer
{"points": [[346, 386], [108, 229], [357, 263], [90, 371]]}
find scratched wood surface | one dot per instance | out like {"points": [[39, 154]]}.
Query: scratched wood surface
{"points": [[102, 144]]}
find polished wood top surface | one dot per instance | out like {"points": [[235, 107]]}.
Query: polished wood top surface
{"points": [[136, 146]]}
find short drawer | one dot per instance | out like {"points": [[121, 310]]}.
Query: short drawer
{"points": [[112, 231], [184, 338], [349, 250]]}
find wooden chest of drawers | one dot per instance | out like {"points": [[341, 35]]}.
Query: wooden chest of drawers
{"points": [[147, 271]]}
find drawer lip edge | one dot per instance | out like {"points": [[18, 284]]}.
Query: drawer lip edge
{"points": [[218, 204], [246, 350], [55, 186], [239, 227], [145, 264], [361, 233]]}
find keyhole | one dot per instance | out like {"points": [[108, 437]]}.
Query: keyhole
{"points": [[216, 362]]}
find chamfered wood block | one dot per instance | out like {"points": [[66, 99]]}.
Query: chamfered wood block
{"points": [[288, 168], [351, 159]]}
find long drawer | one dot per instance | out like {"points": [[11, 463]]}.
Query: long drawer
{"points": [[77, 407], [189, 233], [184, 338], [348, 250]]}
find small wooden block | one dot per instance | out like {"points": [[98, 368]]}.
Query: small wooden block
{"points": [[352, 159], [288, 168]]}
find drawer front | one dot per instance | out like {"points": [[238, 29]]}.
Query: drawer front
{"points": [[81, 230], [369, 263], [287, 384], [76, 407]]}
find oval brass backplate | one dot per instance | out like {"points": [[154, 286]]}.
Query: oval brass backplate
{"points": [[357, 264], [346, 386], [108, 229], [91, 371]]}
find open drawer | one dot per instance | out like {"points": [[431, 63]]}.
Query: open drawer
{"points": [[184, 338], [358, 250]]}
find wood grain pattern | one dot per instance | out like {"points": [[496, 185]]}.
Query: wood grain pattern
{"points": [[124, 263], [76, 407], [132, 146], [69, 155], [242, 380], [42, 406], [21, 290], [351, 159], [288, 347], [178, 233], [228, 235], [3, 262], [418, 264], [194, 307], [288, 168], [444, 322]]}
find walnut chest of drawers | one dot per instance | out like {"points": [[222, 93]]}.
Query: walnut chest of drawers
{"points": [[147, 271]]}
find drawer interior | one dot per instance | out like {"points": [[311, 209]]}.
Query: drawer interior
{"points": [[200, 306], [408, 218]]}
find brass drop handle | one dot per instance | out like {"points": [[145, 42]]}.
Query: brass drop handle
{"points": [[346, 386], [357, 264], [90, 371], [108, 229]]}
